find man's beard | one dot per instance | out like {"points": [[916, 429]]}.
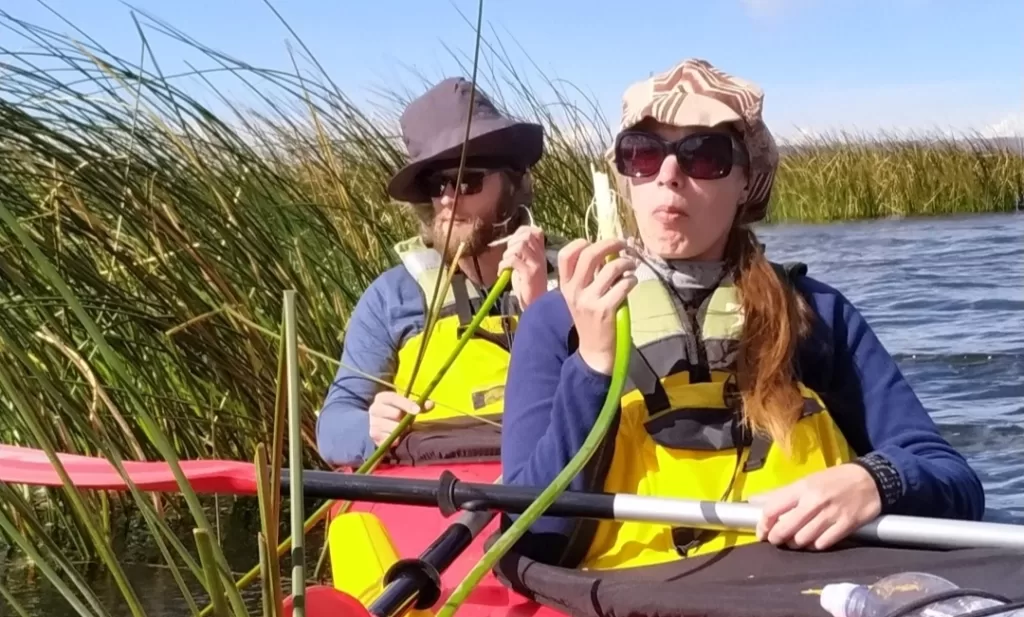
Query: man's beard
{"points": [[476, 233]]}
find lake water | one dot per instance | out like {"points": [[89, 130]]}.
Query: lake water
{"points": [[945, 296]]}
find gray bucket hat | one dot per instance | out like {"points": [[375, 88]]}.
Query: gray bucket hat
{"points": [[433, 129]]}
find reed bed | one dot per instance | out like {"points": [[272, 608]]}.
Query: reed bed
{"points": [[848, 177], [146, 239]]}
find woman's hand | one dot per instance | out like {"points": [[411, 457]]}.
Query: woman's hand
{"points": [[594, 290], [819, 510], [387, 410], [524, 253]]}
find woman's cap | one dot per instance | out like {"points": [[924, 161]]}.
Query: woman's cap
{"points": [[695, 93]]}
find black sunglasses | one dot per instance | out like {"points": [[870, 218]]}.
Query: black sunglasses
{"points": [[703, 156], [435, 183]]}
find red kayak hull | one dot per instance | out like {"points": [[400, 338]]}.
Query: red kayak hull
{"points": [[413, 528]]}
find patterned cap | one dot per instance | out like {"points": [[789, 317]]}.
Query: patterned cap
{"points": [[694, 93]]}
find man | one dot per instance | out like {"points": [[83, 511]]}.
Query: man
{"points": [[387, 332]]}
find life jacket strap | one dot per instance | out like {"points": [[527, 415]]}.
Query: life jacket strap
{"points": [[687, 539], [646, 381], [462, 306], [759, 448], [464, 309]]}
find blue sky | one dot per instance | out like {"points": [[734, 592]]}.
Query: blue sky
{"points": [[858, 65]]}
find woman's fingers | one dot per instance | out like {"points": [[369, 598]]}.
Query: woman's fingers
{"points": [[568, 258], [592, 258], [609, 274], [811, 531], [793, 521], [776, 503], [618, 292]]}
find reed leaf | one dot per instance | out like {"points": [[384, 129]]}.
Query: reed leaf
{"points": [[32, 547], [16, 606]]}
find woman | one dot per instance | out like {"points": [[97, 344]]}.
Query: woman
{"points": [[784, 397]]}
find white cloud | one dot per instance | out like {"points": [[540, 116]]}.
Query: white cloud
{"points": [[774, 8], [798, 112], [768, 8], [1011, 125], [760, 7]]}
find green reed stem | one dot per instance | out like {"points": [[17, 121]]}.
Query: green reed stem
{"points": [[16, 606], [55, 579], [270, 572], [149, 424], [271, 605], [295, 456], [204, 544], [371, 463]]}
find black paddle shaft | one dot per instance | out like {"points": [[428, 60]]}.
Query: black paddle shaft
{"points": [[448, 493], [416, 583]]}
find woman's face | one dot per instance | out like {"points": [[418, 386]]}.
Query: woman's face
{"points": [[679, 216]]}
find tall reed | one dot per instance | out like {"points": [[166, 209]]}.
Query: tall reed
{"points": [[847, 177]]}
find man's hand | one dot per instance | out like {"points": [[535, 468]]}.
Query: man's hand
{"points": [[819, 510], [524, 253], [387, 410]]}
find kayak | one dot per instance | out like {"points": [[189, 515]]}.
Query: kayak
{"points": [[753, 580], [371, 537], [395, 520]]}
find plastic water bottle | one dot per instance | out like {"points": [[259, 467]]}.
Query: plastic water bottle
{"points": [[892, 592]]}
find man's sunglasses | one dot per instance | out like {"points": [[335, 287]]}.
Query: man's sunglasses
{"points": [[436, 183], [703, 156]]}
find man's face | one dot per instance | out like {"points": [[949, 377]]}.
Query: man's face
{"points": [[484, 192]]}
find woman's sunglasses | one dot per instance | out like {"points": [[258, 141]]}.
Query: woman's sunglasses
{"points": [[436, 183], [703, 156]]}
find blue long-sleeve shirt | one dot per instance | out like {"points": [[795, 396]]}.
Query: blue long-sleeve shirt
{"points": [[390, 311], [553, 398]]}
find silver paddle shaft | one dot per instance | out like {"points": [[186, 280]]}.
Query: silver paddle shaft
{"points": [[887, 529]]}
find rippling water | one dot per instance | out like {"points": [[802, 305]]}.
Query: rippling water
{"points": [[945, 296]]}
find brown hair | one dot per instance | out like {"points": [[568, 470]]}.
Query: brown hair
{"points": [[775, 319]]}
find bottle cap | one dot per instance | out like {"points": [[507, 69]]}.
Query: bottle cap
{"points": [[834, 596]]}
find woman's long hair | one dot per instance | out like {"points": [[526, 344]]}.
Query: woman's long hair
{"points": [[775, 319]]}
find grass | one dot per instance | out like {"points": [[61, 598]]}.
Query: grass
{"points": [[840, 178], [146, 239]]}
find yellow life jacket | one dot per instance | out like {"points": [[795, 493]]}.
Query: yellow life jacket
{"points": [[679, 433], [474, 384]]}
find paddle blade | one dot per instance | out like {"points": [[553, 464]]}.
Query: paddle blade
{"points": [[29, 466], [324, 601]]}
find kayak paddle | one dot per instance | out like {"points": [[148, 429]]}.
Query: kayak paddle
{"points": [[28, 466], [451, 494]]}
